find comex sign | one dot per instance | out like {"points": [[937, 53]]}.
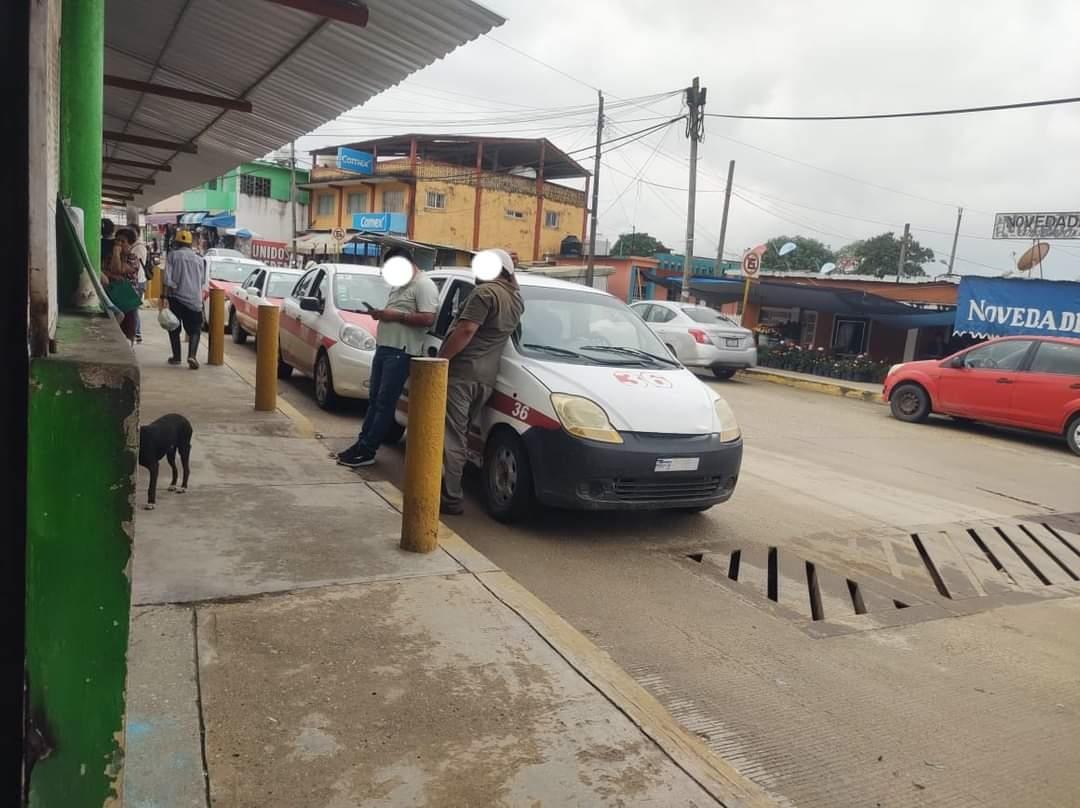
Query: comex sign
{"points": [[356, 162], [1037, 225], [996, 307]]}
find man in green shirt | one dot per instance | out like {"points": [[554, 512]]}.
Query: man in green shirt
{"points": [[474, 347]]}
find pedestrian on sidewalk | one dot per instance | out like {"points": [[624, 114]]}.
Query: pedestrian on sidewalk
{"points": [[409, 313], [474, 347], [181, 293], [121, 271], [142, 253]]}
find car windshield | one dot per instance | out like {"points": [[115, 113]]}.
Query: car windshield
{"points": [[230, 271], [221, 252], [352, 290], [701, 314], [281, 284], [586, 328]]}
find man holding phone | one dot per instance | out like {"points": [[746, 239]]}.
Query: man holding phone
{"points": [[409, 313]]}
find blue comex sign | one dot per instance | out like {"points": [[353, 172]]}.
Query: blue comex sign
{"points": [[356, 162], [380, 222], [999, 307]]}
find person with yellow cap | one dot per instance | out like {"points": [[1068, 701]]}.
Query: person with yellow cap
{"points": [[185, 279]]}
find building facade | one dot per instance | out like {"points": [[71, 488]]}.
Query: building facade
{"points": [[468, 193]]}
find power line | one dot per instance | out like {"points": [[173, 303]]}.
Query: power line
{"points": [[551, 67], [882, 115], [637, 176]]}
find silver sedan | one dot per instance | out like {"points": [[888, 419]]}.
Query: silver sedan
{"points": [[700, 337]]}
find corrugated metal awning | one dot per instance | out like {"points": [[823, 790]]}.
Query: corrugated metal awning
{"points": [[297, 69]]}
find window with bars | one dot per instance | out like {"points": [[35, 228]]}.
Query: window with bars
{"points": [[515, 214], [254, 186], [551, 219], [393, 201], [357, 202], [436, 200]]}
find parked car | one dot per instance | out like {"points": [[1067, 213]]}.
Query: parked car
{"points": [[226, 274], [1027, 382], [700, 337], [223, 252], [325, 334], [266, 285], [590, 411]]}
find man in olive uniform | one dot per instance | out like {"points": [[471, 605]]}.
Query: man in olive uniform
{"points": [[474, 347]]}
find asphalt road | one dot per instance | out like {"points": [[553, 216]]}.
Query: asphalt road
{"points": [[982, 709]]}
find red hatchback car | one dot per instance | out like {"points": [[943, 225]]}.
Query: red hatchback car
{"points": [[1026, 382]]}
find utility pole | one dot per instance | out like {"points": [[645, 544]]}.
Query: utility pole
{"points": [[695, 100], [595, 189], [292, 193], [956, 235], [723, 218], [903, 252]]}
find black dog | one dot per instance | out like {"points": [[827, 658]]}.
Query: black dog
{"points": [[165, 437]]}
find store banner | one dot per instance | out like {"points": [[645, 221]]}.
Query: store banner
{"points": [[1000, 307]]}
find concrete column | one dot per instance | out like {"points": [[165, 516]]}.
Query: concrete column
{"points": [[82, 68]]}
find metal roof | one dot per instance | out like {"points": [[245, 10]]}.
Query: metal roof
{"points": [[298, 70]]}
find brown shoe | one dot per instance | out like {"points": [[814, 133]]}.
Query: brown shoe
{"points": [[449, 507]]}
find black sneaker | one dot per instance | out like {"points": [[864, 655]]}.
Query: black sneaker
{"points": [[351, 451], [357, 460], [174, 360], [449, 507]]}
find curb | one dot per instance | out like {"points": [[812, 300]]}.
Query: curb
{"points": [[831, 388], [710, 771]]}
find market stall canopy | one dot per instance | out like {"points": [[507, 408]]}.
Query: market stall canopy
{"points": [[181, 75]]}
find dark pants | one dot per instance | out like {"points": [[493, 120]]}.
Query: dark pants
{"points": [[191, 320], [389, 372]]}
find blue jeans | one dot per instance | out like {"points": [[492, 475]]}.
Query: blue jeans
{"points": [[389, 372]]}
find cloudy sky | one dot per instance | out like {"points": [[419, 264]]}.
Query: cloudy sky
{"points": [[835, 181]]}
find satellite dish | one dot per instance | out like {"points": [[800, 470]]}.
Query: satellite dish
{"points": [[827, 268], [1033, 256], [789, 247]]}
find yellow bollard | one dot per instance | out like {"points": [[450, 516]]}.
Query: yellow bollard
{"points": [[153, 285], [266, 359], [216, 349], [423, 455]]}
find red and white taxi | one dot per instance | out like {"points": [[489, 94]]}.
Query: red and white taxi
{"points": [[227, 273], [266, 285], [325, 334]]}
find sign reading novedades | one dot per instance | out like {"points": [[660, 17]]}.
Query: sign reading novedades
{"points": [[996, 307], [1037, 225]]}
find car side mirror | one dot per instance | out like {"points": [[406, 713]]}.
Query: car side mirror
{"points": [[310, 304], [957, 362]]}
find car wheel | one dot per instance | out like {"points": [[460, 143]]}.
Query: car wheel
{"points": [[909, 402], [239, 335], [284, 369], [1072, 434], [325, 396], [508, 484], [723, 373], [394, 434]]}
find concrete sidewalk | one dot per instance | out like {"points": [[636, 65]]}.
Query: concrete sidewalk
{"points": [[864, 391], [285, 652]]}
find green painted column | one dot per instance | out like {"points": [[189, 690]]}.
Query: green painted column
{"points": [[82, 70]]}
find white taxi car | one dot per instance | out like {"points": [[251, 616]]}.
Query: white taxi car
{"points": [[325, 334], [225, 273], [266, 285], [590, 411]]}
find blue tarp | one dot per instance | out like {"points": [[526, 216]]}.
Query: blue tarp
{"points": [[221, 221], [998, 307]]}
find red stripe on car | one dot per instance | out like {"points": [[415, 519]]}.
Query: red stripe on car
{"points": [[520, 411]]}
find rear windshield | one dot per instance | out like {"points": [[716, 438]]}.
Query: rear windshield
{"points": [[352, 290], [281, 284], [700, 314], [230, 271]]}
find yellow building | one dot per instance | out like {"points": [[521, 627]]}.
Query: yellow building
{"points": [[472, 193]]}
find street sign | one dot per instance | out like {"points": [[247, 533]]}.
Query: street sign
{"points": [[1037, 225], [751, 263], [355, 162], [338, 234]]}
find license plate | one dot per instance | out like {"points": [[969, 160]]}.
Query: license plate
{"points": [[677, 463], [732, 342]]}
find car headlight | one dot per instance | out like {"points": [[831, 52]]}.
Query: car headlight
{"points": [[729, 427], [356, 337], [584, 418]]}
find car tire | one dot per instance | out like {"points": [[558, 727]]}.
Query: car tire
{"points": [[723, 373], [239, 335], [284, 369], [910, 402], [1072, 434], [325, 396], [508, 482]]}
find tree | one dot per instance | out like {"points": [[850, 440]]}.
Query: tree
{"points": [[638, 244], [808, 256], [880, 255]]}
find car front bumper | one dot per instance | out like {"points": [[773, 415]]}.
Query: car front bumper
{"points": [[352, 370], [570, 472]]}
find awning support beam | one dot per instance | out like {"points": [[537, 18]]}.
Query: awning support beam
{"points": [[151, 142], [152, 88], [352, 12], [124, 189], [125, 178], [138, 164]]}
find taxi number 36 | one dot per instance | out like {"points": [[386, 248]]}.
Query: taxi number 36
{"points": [[520, 411]]}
